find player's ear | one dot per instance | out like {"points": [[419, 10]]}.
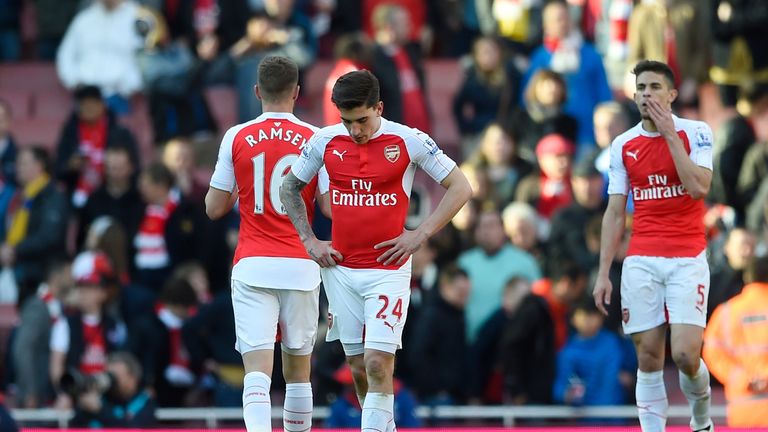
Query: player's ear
{"points": [[672, 95], [296, 92], [379, 107], [257, 92]]}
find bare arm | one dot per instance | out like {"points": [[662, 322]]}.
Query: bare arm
{"points": [[458, 192], [290, 195], [696, 179], [218, 202], [610, 238]]}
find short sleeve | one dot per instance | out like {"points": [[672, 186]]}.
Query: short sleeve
{"points": [[223, 177], [618, 181], [323, 181], [425, 153], [60, 335], [310, 160], [701, 140]]}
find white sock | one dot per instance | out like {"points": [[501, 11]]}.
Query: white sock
{"points": [[652, 401], [696, 389], [378, 412], [257, 407], [297, 411]]}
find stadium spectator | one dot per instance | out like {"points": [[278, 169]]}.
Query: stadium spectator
{"points": [[542, 113], [173, 81], [158, 344], [10, 30], [610, 120], [549, 188], [440, 335], [194, 273], [82, 339], [397, 63], [566, 53], [562, 290], [281, 29], [38, 221], [171, 232], [521, 226], [52, 18], [738, 29], [496, 159], [99, 49], [514, 354], [518, 22], [567, 236], [351, 52], [30, 349], [90, 130], [490, 89], [8, 147], [209, 336], [591, 367], [417, 20], [733, 140], [675, 32], [727, 278], [122, 403], [490, 265], [179, 158], [735, 339], [118, 196]]}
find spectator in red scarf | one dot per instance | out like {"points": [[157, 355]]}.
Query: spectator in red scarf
{"points": [[352, 52], [549, 189], [80, 152]]}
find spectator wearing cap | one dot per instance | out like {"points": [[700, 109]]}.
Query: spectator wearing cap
{"points": [[567, 237], [90, 130], [99, 49], [157, 342], [37, 213], [549, 188], [87, 335]]}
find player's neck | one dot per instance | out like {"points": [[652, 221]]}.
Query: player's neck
{"points": [[285, 107], [649, 126]]}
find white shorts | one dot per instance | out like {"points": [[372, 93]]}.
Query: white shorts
{"points": [[260, 312], [657, 290], [367, 307]]}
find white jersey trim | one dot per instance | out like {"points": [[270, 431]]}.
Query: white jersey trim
{"points": [[277, 273]]}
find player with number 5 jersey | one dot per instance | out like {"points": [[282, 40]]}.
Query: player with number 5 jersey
{"points": [[275, 284]]}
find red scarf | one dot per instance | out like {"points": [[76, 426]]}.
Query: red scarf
{"points": [[553, 195], [151, 250], [93, 141], [94, 358], [178, 353], [415, 112]]}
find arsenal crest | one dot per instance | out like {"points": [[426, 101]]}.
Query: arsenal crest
{"points": [[392, 153], [625, 315]]}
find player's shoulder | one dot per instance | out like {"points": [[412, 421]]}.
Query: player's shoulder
{"points": [[411, 136], [692, 127], [630, 134], [331, 131]]}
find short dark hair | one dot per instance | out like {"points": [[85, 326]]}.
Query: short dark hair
{"points": [[40, 155], [356, 89], [160, 174], [129, 360], [567, 268], [178, 292], [451, 271], [657, 67], [278, 76], [757, 271], [88, 92]]}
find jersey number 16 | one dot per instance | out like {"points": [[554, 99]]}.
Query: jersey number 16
{"points": [[279, 171]]}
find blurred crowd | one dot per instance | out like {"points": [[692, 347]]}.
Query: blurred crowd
{"points": [[106, 251]]}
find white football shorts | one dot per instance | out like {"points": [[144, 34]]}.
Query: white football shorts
{"points": [[656, 290], [260, 312], [367, 306]]}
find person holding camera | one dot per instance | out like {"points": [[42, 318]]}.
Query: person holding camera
{"points": [[112, 399]]}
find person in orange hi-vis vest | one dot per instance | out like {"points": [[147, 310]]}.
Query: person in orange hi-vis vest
{"points": [[736, 349]]}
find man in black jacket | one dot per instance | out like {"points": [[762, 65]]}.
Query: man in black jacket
{"points": [[398, 66], [38, 222]]}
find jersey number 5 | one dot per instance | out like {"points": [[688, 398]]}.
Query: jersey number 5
{"points": [[279, 171]]}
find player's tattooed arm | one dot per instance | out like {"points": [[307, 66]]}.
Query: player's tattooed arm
{"points": [[290, 196]]}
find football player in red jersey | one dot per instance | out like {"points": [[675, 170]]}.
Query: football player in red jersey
{"points": [[275, 284], [366, 270], [665, 162]]}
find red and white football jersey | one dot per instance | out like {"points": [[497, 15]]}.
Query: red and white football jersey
{"points": [[668, 222], [370, 184], [256, 156]]}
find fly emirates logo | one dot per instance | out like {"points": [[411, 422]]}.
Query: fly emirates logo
{"points": [[658, 189], [362, 196]]}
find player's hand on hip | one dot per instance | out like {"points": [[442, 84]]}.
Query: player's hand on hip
{"points": [[323, 253], [400, 247], [602, 294]]}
